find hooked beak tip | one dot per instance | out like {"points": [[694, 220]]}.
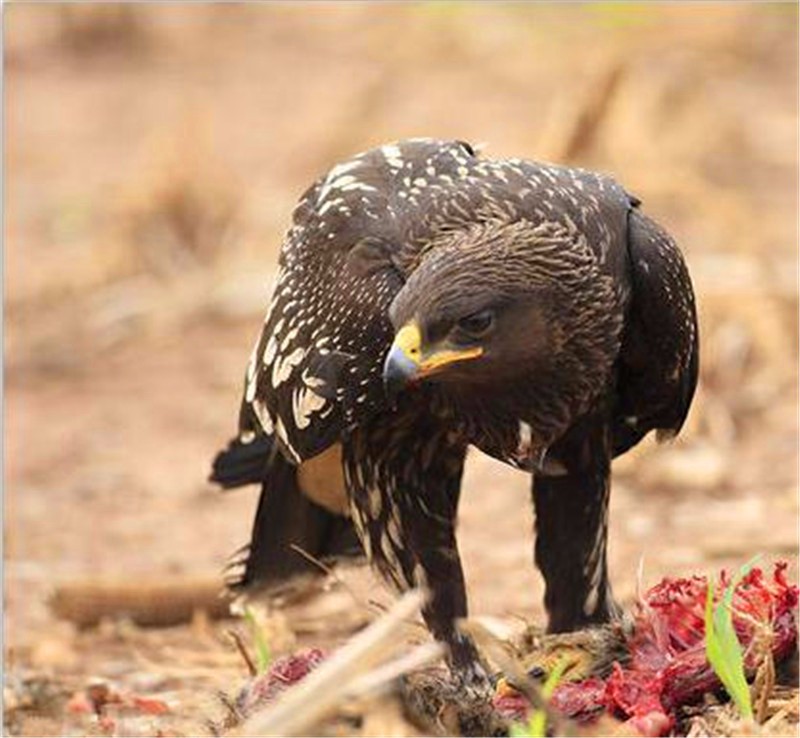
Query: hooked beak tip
{"points": [[398, 371]]}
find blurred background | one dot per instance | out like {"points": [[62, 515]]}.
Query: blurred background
{"points": [[153, 156]]}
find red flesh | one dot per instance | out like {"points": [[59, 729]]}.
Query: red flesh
{"points": [[668, 666]]}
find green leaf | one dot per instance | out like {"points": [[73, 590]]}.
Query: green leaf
{"points": [[536, 727], [723, 650], [263, 655]]}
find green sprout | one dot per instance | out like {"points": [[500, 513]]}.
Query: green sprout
{"points": [[536, 727], [723, 650], [263, 655]]}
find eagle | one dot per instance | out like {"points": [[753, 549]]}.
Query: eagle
{"points": [[427, 300]]}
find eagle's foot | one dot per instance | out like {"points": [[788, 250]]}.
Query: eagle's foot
{"points": [[471, 678]]}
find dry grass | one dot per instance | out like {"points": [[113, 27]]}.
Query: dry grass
{"points": [[153, 157]]}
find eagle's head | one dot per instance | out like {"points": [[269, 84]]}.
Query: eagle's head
{"points": [[493, 307]]}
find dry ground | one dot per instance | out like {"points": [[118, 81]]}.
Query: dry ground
{"points": [[152, 158]]}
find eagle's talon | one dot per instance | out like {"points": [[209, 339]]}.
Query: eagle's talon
{"points": [[537, 673], [473, 683], [468, 673]]}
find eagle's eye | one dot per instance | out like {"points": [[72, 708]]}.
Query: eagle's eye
{"points": [[475, 325]]}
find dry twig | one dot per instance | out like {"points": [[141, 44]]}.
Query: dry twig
{"points": [[303, 706], [160, 602]]}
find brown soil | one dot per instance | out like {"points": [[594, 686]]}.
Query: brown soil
{"points": [[152, 160]]}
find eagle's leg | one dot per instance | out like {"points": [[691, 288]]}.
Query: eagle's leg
{"points": [[437, 567], [571, 530], [404, 496]]}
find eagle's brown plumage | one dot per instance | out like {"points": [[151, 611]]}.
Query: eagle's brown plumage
{"points": [[428, 300]]}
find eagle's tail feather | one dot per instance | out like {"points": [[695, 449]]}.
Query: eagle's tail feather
{"points": [[241, 463], [286, 521]]}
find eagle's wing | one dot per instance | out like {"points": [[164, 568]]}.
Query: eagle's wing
{"points": [[317, 366], [316, 370], [658, 363]]}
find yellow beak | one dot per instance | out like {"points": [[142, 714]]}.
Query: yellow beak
{"points": [[406, 360]]}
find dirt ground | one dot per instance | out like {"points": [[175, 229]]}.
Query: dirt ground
{"points": [[152, 158]]}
